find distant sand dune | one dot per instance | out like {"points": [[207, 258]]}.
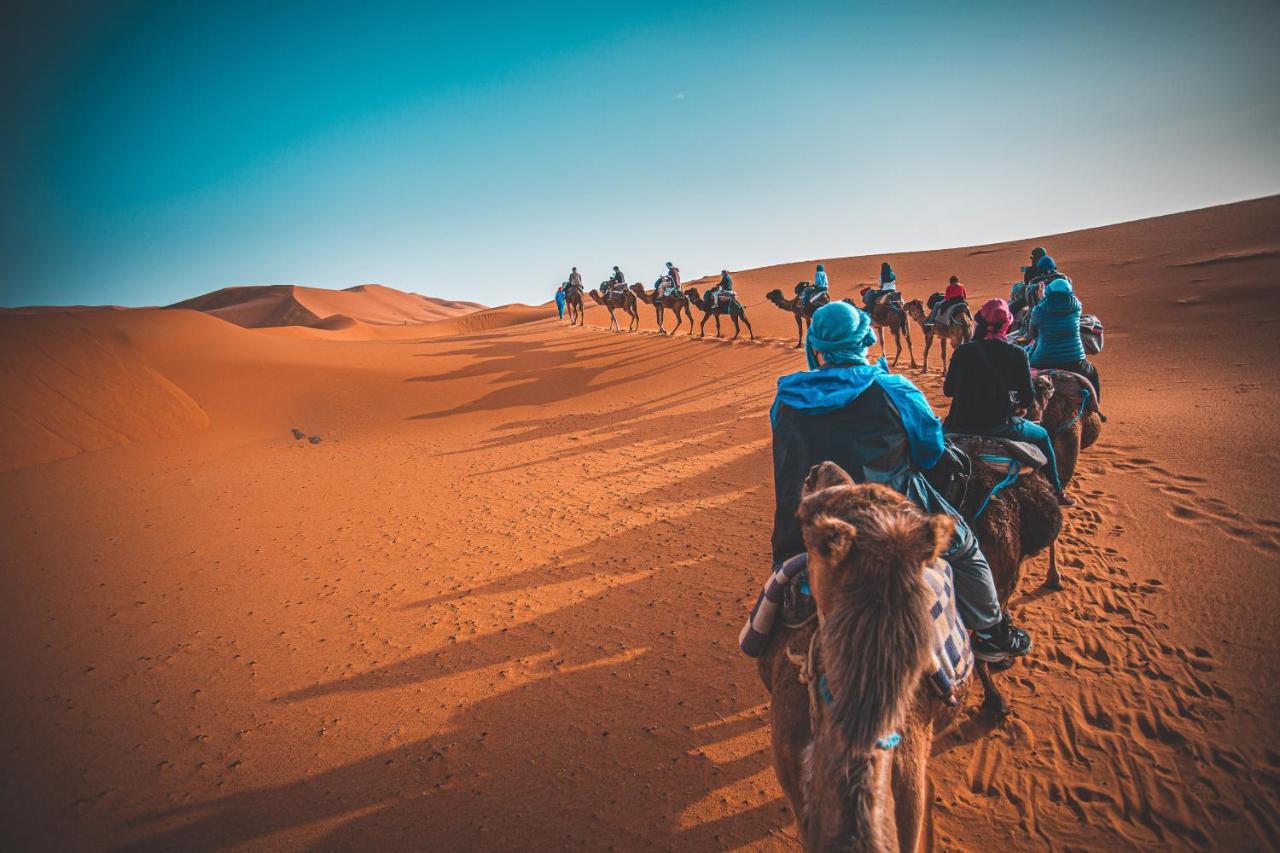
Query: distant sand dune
{"points": [[294, 305]]}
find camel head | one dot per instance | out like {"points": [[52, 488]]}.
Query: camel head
{"points": [[596, 297], [695, 297], [639, 291], [775, 296], [867, 547], [1043, 387], [914, 310]]}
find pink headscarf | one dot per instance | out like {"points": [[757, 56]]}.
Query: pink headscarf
{"points": [[997, 319]]}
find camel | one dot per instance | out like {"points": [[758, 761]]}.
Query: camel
{"points": [[573, 301], [715, 308], [958, 331], [613, 300], [797, 306], [884, 315], [833, 738], [1012, 524], [679, 304], [1072, 419]]}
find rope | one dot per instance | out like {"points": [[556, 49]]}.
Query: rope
{"points": [[820, 693], [1084, 404], [1015, 467]]}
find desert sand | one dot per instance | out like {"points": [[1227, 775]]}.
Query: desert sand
{"points": [[495, 605]]}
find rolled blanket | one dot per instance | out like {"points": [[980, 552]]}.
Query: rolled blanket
{"points": [[755, 634]]}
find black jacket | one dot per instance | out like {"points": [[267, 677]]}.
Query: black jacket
{"points": [[982, 380]]}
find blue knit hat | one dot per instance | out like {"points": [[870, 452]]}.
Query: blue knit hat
{"points": [[841, 333]]}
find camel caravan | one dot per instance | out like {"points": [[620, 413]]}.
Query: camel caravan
{"points": [[899, 537]]}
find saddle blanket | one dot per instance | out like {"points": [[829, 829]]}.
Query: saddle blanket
{"points": [[952, 654]]}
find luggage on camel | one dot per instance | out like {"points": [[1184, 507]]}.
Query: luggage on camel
{"points": [[1091, 334]]}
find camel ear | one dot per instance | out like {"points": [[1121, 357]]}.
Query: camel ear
{"points": [[832, 538], [824, 475], [944, 530]]}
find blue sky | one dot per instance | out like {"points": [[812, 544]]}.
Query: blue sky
{"points": [[153, 151]]}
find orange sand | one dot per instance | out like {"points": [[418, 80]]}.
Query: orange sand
{"points": [[496, 605]]}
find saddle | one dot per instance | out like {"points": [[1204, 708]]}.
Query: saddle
{"points": [[1011, 459], [816, 298], [723, 297], [1086, 384], [946, 315], [892, 298]]}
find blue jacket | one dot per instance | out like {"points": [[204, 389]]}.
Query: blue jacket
{"points": [[1055, 324], [820, 279], [874, 424]]}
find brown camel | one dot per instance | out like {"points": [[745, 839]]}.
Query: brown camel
{"points": [[803, 313], [956, 332], [1012, 524], [613, 300], [573, 301], [715, 308], [1071, 415], [884, 315], [849, 788], [660, 300]]}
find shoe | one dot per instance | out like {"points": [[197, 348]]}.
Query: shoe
{"points": [[1065, 499], [1001, 642]]}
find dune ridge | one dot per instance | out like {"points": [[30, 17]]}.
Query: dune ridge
{"points": [[262, 306]]}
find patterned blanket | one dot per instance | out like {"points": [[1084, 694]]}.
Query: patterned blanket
{"points": [[952, 654]]}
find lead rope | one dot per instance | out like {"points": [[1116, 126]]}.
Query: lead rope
{"points": [[820, 694]]}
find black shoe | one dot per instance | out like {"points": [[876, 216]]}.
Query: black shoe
{"points": [[1001, 642]]}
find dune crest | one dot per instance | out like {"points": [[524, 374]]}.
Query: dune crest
{"points": [[264, 306]]}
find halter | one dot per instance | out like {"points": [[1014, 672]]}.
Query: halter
{"points": [[820, 690]]}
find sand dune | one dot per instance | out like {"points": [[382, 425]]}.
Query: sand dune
{"points": [[494, 604], [292, 305]]}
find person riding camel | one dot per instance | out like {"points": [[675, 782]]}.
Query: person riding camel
{"points": [[673, 279], [575, 278], [888, 285], [989, 381], [879, 427], [820, 285], [1054, 330], [723, 291], [1042, 266], [615, 282], [954, 295]]}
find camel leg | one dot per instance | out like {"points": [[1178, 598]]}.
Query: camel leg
{"points": [[928, 344], [702, 330], [880, 335], [944, 353], [750, 330], [993, 704], [906, 331], [717, 324], [1053, 580], [911, 781], [799, 331], [897, 354]]}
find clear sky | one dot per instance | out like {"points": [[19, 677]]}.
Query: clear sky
{"points": [[154, 151]]}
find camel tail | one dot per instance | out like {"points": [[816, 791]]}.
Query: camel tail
{"points": [[877, 641]]}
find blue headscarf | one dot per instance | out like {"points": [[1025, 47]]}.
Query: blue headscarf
{"points": [[841, 333]]}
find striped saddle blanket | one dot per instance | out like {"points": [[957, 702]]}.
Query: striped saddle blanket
{"points": [[789, 584]]}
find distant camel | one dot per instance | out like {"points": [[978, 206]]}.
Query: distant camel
{"points": [[715, 308], [573, 299], [797, 306], [678, 303], [1072, 418], [853, 719], [885, 315], [615, 299], [958, 331]]}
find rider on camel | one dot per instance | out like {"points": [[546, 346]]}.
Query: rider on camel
{"points": [[723, 291], [1054, 328], [877, 426], [888, 285], [954, 295], [820, 285], [989, 382], [575, 278], [673, 278], [617, 281]]}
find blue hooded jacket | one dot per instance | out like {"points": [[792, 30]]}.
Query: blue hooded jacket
{"points": [[1055, 324], [875, 425], [820, 278]]}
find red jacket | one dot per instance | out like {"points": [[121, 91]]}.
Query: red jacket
{"points": [[955, 291]]}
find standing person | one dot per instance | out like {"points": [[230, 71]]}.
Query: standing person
{"points": [[954, 295], [988, 381], [1054, 327], [879, 428], [560, 298]]}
